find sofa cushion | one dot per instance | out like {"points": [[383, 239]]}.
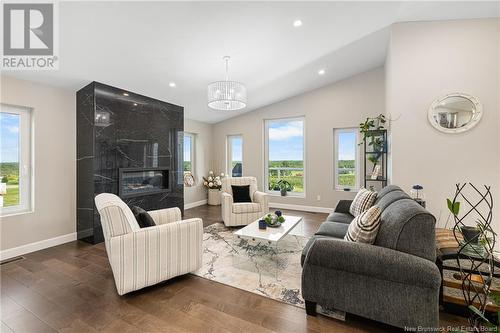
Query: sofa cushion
{"points": [[364, 227], [143, 218], [340, 217], [246, 207], [390, 198], [332, 229], [241, 193], [363, 201]]}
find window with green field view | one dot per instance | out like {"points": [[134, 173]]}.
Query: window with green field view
{"points": [[234, 155], [188, 165], [15, 161], [346, 158], [284, 155]]}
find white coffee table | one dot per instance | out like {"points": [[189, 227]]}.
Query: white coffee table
{"points": [[270, 235], [261, 245]]}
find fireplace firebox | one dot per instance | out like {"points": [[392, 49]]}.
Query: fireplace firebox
{"points": [[142, 181]]}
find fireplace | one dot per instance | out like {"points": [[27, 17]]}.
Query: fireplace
{"points": [[142, 181]]}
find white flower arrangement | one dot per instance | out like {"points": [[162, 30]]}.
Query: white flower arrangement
{"points": [[212, 181]]}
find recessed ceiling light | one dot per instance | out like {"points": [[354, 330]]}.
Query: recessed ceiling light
{"points": [[125, 94], [297, 23], [135, 104], [172, 84], [321, 72]]}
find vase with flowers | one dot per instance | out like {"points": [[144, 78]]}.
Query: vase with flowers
{"points": [[213, 183]]}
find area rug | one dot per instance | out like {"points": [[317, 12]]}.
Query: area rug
{"points": [[256, 266]]}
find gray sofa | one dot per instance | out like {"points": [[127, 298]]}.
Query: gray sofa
{"points": [[394, 281]]}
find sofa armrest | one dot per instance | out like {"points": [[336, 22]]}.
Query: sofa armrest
{"points": [[167, 215], [153, 254], [343, 206], [373, 261], [263, 199]]}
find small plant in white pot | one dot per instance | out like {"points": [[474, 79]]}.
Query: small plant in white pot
{"points": [[213, 183]]}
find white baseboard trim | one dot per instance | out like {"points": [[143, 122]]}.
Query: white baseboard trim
{"points": [[36, 246], [195, 204], [313, 209]]}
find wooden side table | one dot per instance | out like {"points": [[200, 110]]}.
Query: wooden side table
{"points": [[447, 249]]}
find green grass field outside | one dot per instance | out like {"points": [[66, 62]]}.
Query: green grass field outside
{"points": [[12, 196], [9, 173]]}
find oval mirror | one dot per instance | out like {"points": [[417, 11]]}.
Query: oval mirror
{"points": [[455, 113]]}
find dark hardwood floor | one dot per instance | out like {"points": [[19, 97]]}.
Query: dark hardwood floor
{"points": [[70, 288]]}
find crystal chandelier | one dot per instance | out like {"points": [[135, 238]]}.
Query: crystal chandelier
{"points": [[227, 95]]}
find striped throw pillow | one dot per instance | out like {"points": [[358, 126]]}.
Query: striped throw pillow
{"points": [[364, 227], [362, 202]]}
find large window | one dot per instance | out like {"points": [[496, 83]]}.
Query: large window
{"points": [[284, 155], [346, 159], [15, 159], [234, 154], [188, 165]]}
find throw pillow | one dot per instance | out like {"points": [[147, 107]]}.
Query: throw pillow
{"points": [[363, 201], [364, 227], [241, 193], [143, 218]]}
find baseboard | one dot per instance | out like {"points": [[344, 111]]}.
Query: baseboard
{"points": [[195, 204], [313, 209], [37, 246]]}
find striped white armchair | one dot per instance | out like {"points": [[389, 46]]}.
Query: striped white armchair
{"points": [[242, 213], [144, 257]]}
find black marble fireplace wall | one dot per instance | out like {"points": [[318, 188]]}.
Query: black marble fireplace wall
{"points": [[117, 129]]}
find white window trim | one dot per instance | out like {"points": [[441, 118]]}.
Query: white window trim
{"points": [[229, 153], [336, 132], [192, 153], [266, 156], [26, 172]]}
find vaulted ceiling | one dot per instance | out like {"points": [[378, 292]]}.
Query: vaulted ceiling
{"points": [[143, 46]]}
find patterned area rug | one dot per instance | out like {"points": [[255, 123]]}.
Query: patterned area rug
{"points": [[255, 266]]}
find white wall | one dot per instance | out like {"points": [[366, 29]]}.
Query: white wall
{"points": [[203, 144], [427, 60], [54, 112], [343, 104]]}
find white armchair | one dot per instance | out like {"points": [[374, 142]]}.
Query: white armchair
{"points": [[144, 257], [242, 213]]}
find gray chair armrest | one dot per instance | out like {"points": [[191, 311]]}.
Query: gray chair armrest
{"points": [[343, 206], [374, 261]]}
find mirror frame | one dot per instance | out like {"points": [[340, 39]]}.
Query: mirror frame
{"points": [[476, 116]]}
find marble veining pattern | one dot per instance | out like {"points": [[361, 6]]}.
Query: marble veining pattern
{"points": [[120, 129]]}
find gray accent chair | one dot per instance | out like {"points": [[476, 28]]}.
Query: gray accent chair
{"points": [[394, 281]]}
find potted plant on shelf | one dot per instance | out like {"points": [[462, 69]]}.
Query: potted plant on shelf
{"points": [[213, 183], [284, 187], [372, 124], [368, 130]]}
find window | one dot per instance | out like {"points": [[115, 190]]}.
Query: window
{"points": [[284, 155], [346, 159], [188, 165], [15, 159], [234, 155]]}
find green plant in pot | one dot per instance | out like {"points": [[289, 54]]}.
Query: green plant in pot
{"points": [[367, 127], [368, 130], [470, 233], [284, 187]]}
